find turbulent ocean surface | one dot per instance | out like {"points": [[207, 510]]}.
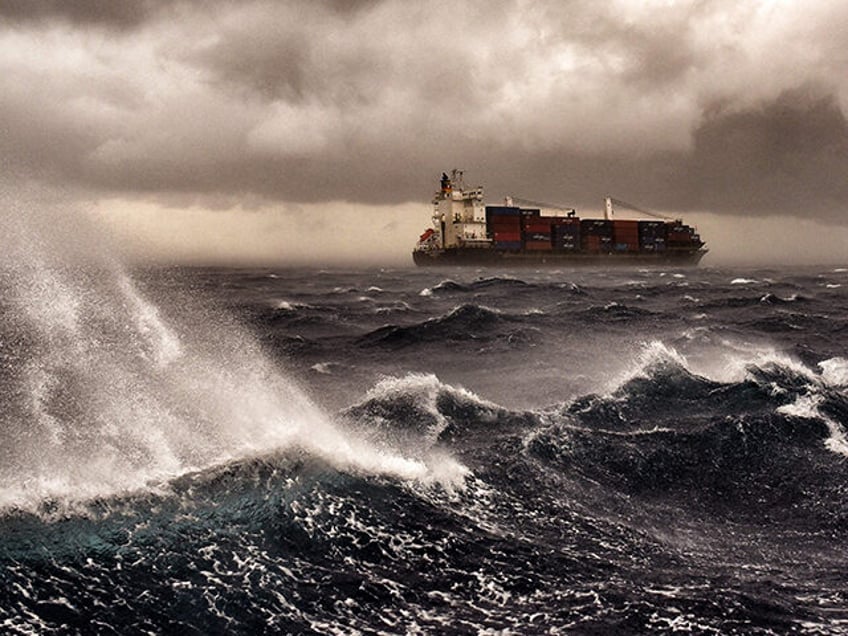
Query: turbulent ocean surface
{"points": [[209, 451]]}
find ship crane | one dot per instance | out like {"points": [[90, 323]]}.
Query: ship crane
{"points": [[538, 204], [610, 201]]}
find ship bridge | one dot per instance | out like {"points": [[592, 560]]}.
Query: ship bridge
{"points": [[460, 213]]}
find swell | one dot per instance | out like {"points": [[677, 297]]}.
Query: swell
{"points": [[767, 449], [419, 409], [496, 285], [614, 312], [468, 322], [770, 444]]}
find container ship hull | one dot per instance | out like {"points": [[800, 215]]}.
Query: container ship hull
{"points": [[465, 231], [490, 257]]}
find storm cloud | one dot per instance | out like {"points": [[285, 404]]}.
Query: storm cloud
{"points": [[723, 106]]}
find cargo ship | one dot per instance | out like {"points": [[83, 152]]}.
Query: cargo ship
{"points": [[467, 232]]}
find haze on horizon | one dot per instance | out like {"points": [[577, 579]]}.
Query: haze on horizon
{"points": [[265, 132]]}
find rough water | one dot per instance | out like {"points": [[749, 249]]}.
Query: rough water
{"points": [[203, 451]]}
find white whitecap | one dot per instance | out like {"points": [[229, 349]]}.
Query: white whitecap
{"points": [[807, 407], [834, 371]]}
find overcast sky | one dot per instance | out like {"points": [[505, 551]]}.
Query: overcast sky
{"points": [[219, 125]]}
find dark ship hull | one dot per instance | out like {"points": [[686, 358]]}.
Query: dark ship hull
{"points": [[489, 257]]}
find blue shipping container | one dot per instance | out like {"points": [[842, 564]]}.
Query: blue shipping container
{"points": [[596, 227]]}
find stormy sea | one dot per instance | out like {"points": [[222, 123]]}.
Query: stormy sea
{"points": [[431, 451]]}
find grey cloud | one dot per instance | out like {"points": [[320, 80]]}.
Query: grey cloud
{"points": [[338, 52], [351, 6], [95, 12], [787, 154], [654, 51], [366, 101], [125, 15], [276, 69]]}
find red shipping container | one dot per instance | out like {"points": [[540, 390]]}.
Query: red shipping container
{"points": [[538, 246], [592, 243], [507, 236], [626, 225], [535, 225]]}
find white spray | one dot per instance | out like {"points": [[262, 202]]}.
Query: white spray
{"points": [[102, 393]]}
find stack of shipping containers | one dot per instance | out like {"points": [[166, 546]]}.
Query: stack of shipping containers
{"points": [[536, 230], [625, 235], [652, 235], [565, 233], [680, 235], [514, 228], [504, 226], [596, 235]]}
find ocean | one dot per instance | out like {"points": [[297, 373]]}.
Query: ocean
{"points": [[431, 451]]}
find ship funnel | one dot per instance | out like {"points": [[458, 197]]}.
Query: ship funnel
{"points": [[447, 186], [608, 211]]}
